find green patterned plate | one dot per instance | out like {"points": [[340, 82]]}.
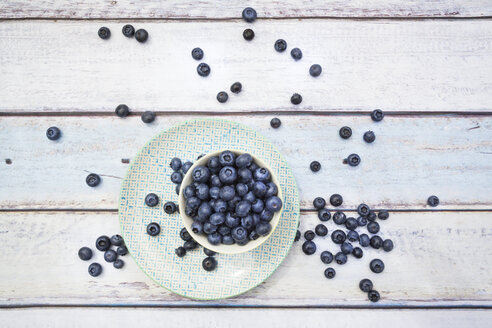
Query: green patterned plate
{"points": [[150, 172]]}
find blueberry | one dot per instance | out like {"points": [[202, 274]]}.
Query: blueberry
{"points": [[263, 228], [178, 187], [339, 217], [239, 233], [376, 242], [227, 193], [315, 70], [315, 166], [369, 137], [197, 227], [309, 247], [215, 181], [222, 97], [252, 167], [353, 160], [85, 253], [148, 117], [257, 206], [217, 218], [95, 269], [244, 160], [362, 221], [92, 180], [321, 230], [280, 45], [319, 203], [227, 240], [176, 177], [141, 35], [176, 164], [338, 236], [345, 132], [309, 235], [296, 53], [324, 214], [224, 230], [227, 158], [357, 252], [352, 236], [110, 255], [185, 235], [340, 258], [53, 133], [201, 174], [351, 224], [262, 174], [373, 227], [273, 204], [204, 211], [208, 252], [250, 184], [197, 53], [248, 34], [296, 99], [116, 240], [346, 248], [377, 115], [186, 166], [373, 296], [189, 191], [190, 245], [236, 87], [363, 210], [336, 200], [170, 207], [118, 264], [209, 263], [433, 201], [122, 250], [232, 221], [275, 123], [212, 202], [228, 175], [253, 235], [122, 110], [243, 208], [249, 14], [151, 200], [260, 189], [241, 189], [128, 31], [193, 203], [371, 216], [245, 175], [365, 285], [104, 33], [266, 215], [256, 218], [388, 245], [364, 240], [208, 227], [326, 257], [203, 69], [200, 156], [231, 205], [383, 215], [376, 266], [103, 243], [153, 229], [180, 251], [298, 236], [330, 273]]}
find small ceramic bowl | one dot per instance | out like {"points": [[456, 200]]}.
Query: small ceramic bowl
{"points": [[202, 239]]}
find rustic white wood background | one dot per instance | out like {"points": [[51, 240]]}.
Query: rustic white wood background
{"points": [[427, 64]]}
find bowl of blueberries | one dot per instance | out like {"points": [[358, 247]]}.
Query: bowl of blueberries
{"points": [[230, 202]]}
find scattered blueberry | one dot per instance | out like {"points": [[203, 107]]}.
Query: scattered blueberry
{"points": [[236, 87], [85, 253], [346, 248], [353, 160], [141, 35], [364, 240], [128, 31], [185, 235], [326, 257], [104, 33], [340, 258], [309, 235], [92, 180], [298, 236], [151, 200], [330, 273], [369, 137], [186, 166], [203, 69], [336, 200], [53, 133], [190, 245], [315, 70], [376, 266], [170, 207], [383, 215], [351, 224], [433, 201], [345, 132], [373, 227], [280, 45], [122, 110], [319, 203], [153, 229], [388, 245], [376, 242], [365, 285], [148, 117], [208, 252], [339, 217], [248, 34], [315, 166], [103, 243], [116, 240], [95, 269], [321, 230], [197, 53], [249, 14], [377, 115], [371, 216], [222, 97], [180, 251], [363, 210], [296, 53], [309, 247], [275, 123], [338, 236], [209, 263], [176, 164], [352, 236], [122, 250], [362, 221], [118, 264], [373, 296], [324, 214], [296, 99]]}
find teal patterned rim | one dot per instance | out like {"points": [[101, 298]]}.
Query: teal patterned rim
{"points": [[150, 172]]}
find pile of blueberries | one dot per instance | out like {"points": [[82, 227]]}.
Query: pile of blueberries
{"points": [[250, 15], [104, 244], [367, 218]]}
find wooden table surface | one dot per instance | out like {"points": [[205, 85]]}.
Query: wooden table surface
{"points": [[428, 65]]}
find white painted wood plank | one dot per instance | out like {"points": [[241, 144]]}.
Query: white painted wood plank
{"points": [[396, 65], [412, 158], [439, 259], [232, 9], [240, 318]]}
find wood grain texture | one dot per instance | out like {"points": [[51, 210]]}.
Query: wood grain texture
{"points": [[438, 260], [396, 65], [175, 9], [239, 318], [412, 158]]}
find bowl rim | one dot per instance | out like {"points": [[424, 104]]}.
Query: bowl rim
{"points": [[234, 248]]}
